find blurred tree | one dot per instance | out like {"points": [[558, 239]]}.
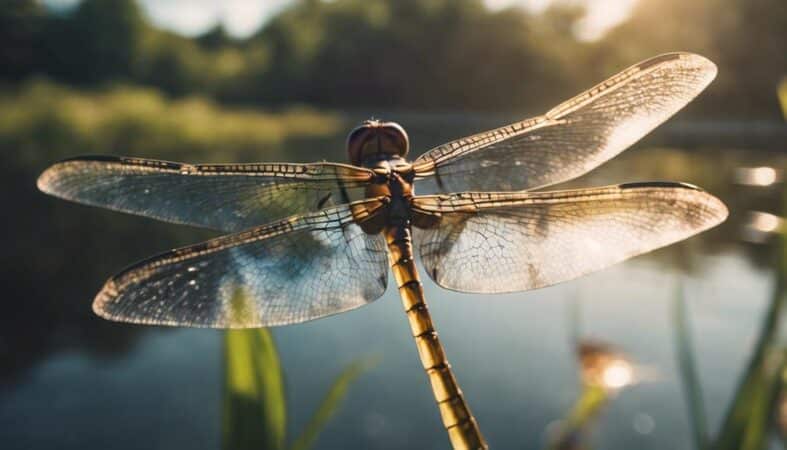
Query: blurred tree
{"points": [[750, 42], [173, 63], [407, 54], [21, 22], [214, 38], [435, 54], [99, 40], [746, 38]]}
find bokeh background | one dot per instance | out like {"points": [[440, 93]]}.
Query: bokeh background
{"points": [[210, 81]]}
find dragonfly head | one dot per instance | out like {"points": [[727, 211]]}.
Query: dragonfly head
{"points": [[374, 139]]}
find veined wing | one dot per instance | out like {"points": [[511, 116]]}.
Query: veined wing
{"points": [[574, 137], [506, 242], [228, 197], [295, 270]]}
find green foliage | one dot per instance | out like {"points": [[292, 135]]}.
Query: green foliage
{"points": [[747, 422], [746, 38], [214, 38], [688, 372], [749, 418], [331, 402], [21, 25], [255, 416], [579, 421], [100, 40], [435, 54], [44, 122], [592, 398]]}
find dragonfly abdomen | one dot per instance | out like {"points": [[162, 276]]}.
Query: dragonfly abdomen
{"points": [[462, 428]]}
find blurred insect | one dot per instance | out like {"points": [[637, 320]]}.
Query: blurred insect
{"points": [[311, 240]]}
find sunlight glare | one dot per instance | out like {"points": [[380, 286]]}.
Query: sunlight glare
{"points": [[759, 226], [757, 176], [617, 374], [601, 16], [765, 222]]}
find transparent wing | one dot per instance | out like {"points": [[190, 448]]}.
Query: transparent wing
{"points": [[291, 271], [505, 242], [228, 197], [572, 138]]}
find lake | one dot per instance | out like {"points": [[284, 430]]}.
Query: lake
{"points": [[73, 380]]}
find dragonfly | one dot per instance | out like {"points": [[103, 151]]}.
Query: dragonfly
{"points": [[307, 241]]}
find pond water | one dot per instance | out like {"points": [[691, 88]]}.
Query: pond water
{"points": [[72, 380]]}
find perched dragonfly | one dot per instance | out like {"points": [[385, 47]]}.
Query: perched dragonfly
{"points": [[312, 240]]}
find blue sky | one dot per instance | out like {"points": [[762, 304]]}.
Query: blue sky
{"points": [[242, 17]]}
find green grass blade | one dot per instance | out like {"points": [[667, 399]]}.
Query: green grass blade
{"points": [[779, 406], [575, 321], [255, 415], [588, 405], [331, 402], [688, 372], [746, 423], [585, 409], [781, 92], [761, 415]]}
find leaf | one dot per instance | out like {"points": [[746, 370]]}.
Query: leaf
{"points": [[688, 372], [745, 426], [330, 403], [255, 415], [782, 94], [579, 420]]}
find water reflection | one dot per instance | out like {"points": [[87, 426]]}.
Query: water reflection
{"points": [[760, 226], [255, 401], [602, 366], [756, 402], [604, 372], [757, 176], [57, 255]]}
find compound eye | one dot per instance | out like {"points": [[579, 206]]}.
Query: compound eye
{"points": [[396, 141], [359, 142], [374, 139]]}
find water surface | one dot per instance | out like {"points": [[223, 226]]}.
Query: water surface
{"points": [[72, 380]]}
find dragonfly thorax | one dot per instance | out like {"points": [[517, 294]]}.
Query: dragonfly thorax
{"points": [[375, 140], [393, 185]]}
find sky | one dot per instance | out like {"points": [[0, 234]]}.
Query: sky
{"points": [[242, 17]]}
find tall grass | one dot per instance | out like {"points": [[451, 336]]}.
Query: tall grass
{"points": [[750, 417], [255, 412], [255, 402], [41, 122], [572, 431], [691, 383], [781, 92]]}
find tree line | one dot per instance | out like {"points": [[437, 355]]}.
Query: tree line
{"points": [[408, 54]]}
